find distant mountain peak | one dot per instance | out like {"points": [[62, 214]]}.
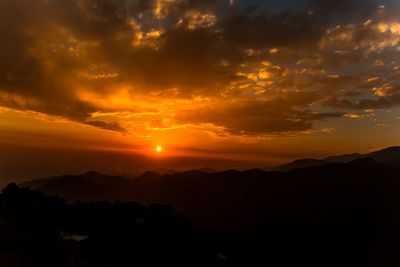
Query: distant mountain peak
{"points": [[302, 163], [392, 148], [93, 173], [387, 156], [344, 157]]}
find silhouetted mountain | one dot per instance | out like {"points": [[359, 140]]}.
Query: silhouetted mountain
{"points": [[385, 155], [210, 170], [165, 171], [89, 186], [339, 214], [302, 163], [388, 156], [212, 199], [344, 158]]}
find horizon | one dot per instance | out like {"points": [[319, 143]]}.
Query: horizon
{"points": [[122, 87], [133, 173]]}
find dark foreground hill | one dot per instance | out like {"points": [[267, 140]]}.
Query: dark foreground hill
{"points": [[236, 200], [38, 230], [340, 214]]}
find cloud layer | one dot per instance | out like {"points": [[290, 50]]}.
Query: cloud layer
{"points": [[243, 68]]}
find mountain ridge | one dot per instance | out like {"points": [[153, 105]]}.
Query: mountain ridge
{"points": [[388, 156], [231, 199]]}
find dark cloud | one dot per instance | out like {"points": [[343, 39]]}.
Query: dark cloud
{"points": [[386, 102], [282, 67], [342, 11], [187, 59], [256, 117], [284, 30], [107, 126]]}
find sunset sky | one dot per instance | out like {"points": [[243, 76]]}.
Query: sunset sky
{"points": [[100, 84]]}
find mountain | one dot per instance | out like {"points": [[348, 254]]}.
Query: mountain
{"points": [[302, 163], [163, 171], [389, 156], [337, 214], [385, 155], [243, 200], [344, 158], [88, 186]]}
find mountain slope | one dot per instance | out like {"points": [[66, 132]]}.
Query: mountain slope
{"points": [[242, 200], [302, 163], [89, 186], [389, 156]]}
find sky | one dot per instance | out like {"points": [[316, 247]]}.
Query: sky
{"points": [[99, 84]]}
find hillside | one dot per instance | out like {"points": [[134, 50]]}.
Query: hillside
{"points": [[232, 199], [349, 210], [389, 156]]}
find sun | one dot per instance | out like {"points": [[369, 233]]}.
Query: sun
{"points": [[159, 149]]}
